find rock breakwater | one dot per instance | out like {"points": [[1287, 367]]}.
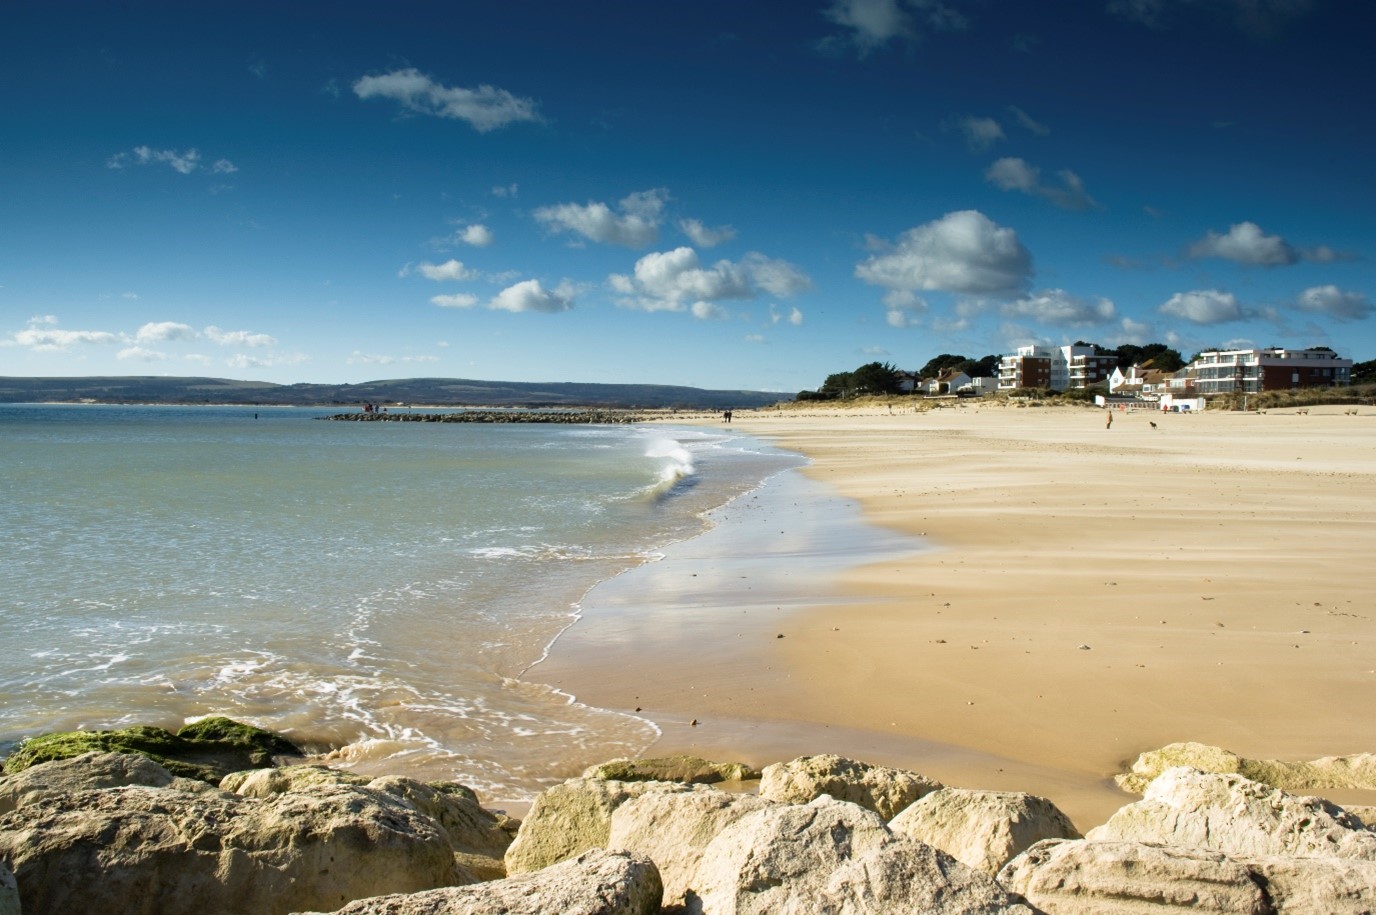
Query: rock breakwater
{"points": [[571, 417], [116, 832]]}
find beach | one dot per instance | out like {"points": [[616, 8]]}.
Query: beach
{"points": [[1064, 597]]}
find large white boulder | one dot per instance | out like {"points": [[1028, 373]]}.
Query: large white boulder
{"points": [[140, 849], [1069, 877], [984, 829], [597, 882], [884, 790], [1238, 817], [573, 817], [674, 828]]}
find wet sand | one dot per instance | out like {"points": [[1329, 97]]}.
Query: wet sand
{"points": [[1067, 597]]}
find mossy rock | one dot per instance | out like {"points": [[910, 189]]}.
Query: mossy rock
{"points": [[208, 750]]}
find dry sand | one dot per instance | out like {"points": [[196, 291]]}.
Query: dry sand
{"points": [[1090, 593]]}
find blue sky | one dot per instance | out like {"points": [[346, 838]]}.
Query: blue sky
{"points": [[726, 195]]}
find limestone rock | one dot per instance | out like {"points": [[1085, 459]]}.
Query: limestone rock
{"points": [[983, 829], [9, 893], [1075, 877], [207, 750], [693, 769], [87, 771], [139, 849], [673, 829], [571, 818], [908, 876], [1362, 812], [1356, 771], [781, 858], [598, 882], [479, 837], [1318, 886], [879, 788], [262, 783], [1237, 816]]}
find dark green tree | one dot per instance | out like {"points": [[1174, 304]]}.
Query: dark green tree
{"points": [[1364, 372], [938, 364], [876, 378]]}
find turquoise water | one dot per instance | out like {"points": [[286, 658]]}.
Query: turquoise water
{"points": [[374, 590]]}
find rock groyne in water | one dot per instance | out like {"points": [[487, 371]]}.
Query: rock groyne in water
{"points": [[574, 417]]}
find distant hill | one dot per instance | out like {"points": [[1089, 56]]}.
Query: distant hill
{"points": [[431, 391]]}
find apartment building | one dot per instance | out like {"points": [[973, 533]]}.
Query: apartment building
{"points": [[1059, 368], [1250, 371]]}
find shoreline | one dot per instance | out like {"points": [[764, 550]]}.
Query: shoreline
{"points": [[1208, 566]]}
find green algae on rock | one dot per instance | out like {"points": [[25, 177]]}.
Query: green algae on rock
{"points": [[207, 750]]}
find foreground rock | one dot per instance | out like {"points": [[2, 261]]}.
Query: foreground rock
{"points": [[572, 818], [1356, 771], [885, 791], [983, 829], [207, 750], [1237, 816], [9, 893], [833, 856], [597, 882], [186, 848], [690, 769], [1068, 877], [674, 828], [81, 773]]}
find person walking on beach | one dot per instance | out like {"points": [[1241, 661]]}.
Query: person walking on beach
{"points": [[1109, 424]]}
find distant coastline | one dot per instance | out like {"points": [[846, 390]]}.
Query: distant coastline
{"points": [[437, 392]]}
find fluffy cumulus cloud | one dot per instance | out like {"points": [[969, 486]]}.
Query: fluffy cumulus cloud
{"points": [[43, 334], [1012, 174], [141, 354], [449, 271], [677, 281], [1334, 302], [869, 24], [634, 224], [1203, 306], [902, 308], [980, 133], [477, 235], [1056, 306], [1246, 243], [162, 331], [962, 252], [529, 295], [182, 162], [238, 337], [793, 316], [485, 108], [457, 300], [705, 237]]}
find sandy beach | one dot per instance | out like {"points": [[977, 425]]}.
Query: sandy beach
{"points": [[1062, 597]]}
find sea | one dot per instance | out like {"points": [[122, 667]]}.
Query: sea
{"points": [[375, 591]]}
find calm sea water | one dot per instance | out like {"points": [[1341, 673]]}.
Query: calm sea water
{"points": [[373, 589]]}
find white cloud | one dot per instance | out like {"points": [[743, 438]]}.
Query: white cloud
{"points": [[963, 252], [129, 295], [707, 310], [529, 295], [1245, 243], [160, 331], [507, 190], [477, 235], [1204, 306], [794, 316], [486, 107], [361, 358], [450, 270], [1335, 302], [874, 23], [458, 300], [676, 280], [1056, 306], [182, 162], [238, 337], [224, 167], [141, 354], [1012, 174], [704, 237], [1027, 123], [980, 133], [636, 226], [245, 361], [43, 335], [755, 338]]}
